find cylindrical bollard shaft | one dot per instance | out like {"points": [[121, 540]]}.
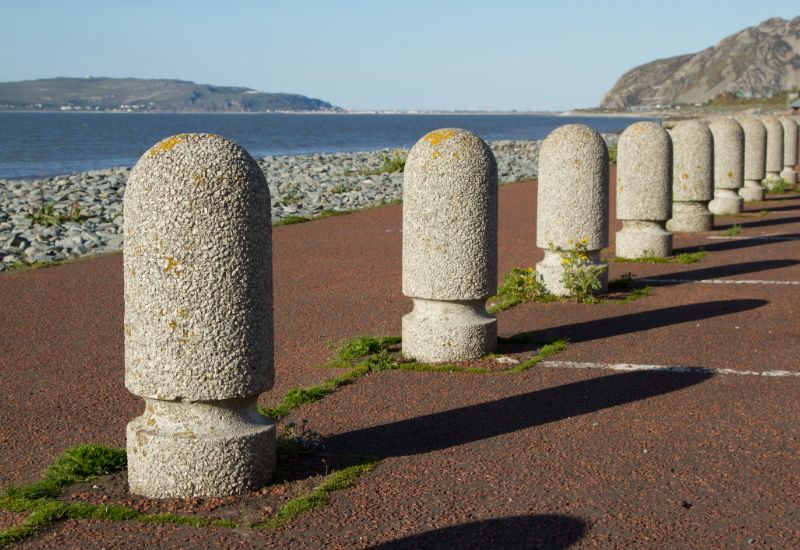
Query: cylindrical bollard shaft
{"points": [[789, 172], [198, 319], [644, 191], [692, 177], [572, 201], [755, 155], [728, 166], [449, 247]]}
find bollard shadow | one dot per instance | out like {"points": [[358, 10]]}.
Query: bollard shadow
{"points": [[783, 208], [550, 531], [735, 244], [450, 428], [729, 270], [638, 322], [765, 223]]}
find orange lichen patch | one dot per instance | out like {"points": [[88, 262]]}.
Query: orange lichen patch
{"points": [[730, 174], [182, 313], [438, 136], [685, 176], [173, 324], [436, 154], [127, 329], [167, 144], [170, 263]]}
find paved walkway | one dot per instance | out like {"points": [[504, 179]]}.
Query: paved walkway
{"points": [[617, 453]]}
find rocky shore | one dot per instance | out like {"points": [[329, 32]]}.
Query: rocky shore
{"points": [[62, 217]]}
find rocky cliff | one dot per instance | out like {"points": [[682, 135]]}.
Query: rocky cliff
{"points": [[755, 62]]}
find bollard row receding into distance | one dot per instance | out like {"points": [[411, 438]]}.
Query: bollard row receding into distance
{"points": [[198, 319], [572, 201], [449, 247]]}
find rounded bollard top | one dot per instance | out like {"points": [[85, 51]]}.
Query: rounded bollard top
{"points": [[692, 161], [572, 194], [197, 274], [450, 217], [644, 173]]}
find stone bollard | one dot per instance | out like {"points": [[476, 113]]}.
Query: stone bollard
{"points": [[572, 201], [644, 191], [755, 154], [198, 319], [789, 173], [728, 166], [692, 177], [774, 160], [449, 247]]}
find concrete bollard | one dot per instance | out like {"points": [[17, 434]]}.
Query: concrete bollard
{"points": [[449, 247], [572, 200], [728, 166], [774, 160], [789, 173], [692, 177], [644, 191], [198, 319], [755, 154]]}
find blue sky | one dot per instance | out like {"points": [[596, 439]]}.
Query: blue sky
{"points": [[372, 54]]}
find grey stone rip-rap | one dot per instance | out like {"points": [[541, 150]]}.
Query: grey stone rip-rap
{"points": [[728, 166], [572, 201], [198, 319], [789, 173], [449, 247], [755, 157], [774, 158], [644, 191], [692, 177]]}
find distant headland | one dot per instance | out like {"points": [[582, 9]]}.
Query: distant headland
{"points": [[91, 94]]}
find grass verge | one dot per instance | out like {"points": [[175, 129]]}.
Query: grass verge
{"points": [[682, 258]]}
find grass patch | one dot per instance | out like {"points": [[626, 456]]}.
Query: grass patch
{"points": [[341, 188], [733, 231], [76, 464], [394, 163], [332, 213], [777, 187], [336, 481], [612, 154], [544, 352], [682, 258], [520, 286], [47, 216], [291, 220]]}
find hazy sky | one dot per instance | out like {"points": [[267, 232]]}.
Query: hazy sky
{"points": [[372, 54]]}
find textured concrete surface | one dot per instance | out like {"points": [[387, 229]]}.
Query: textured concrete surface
{"points": [[692, 177], [774, 158], [572, 199], [198, 318], [449, 246], [789, 150], [728, 166], [644, 191], [755, 157]]}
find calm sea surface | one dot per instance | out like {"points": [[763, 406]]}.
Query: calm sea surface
{"points": [[46, 144]]}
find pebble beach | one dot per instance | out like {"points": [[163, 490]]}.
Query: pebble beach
{"points": [[301, 186]]}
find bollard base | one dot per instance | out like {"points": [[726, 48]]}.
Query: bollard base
{"points": [[726, 202], [200, 449], [643, 239], [690, 217], [752, 191], [789, 175], [437, 331], [551, 270]]}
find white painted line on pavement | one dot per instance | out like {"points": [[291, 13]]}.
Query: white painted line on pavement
{"points": [[628, 367], [716, 281]]}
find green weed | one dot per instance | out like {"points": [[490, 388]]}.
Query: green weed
{"points": [[681, 258], [733, 231], [519, 286]]}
